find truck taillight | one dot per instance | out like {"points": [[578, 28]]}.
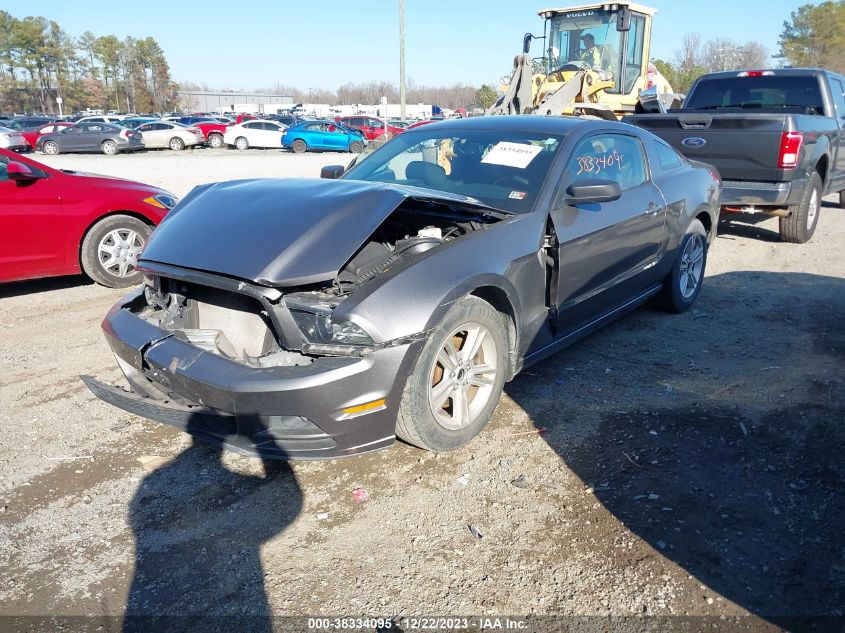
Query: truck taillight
{"points": [[790, 147]]}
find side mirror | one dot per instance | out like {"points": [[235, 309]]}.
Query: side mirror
{"points": [[592, 191], [332, 172], [20, 172]]}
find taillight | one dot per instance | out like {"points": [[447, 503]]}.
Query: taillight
{"points": [[790, 148], [125, 134]]}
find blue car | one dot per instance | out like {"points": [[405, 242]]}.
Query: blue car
{"points": [[323, 135]]}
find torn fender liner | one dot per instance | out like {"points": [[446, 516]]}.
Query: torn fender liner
{"points": [[277, 232]]}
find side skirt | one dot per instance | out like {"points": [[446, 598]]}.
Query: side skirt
{"points": [[584, 330]]}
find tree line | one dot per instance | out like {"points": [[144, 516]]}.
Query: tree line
{"points": [[39, 62]]}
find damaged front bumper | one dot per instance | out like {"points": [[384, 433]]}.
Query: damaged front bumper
{"points": [[283, 412]]}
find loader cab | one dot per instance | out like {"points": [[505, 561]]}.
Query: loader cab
{"points": [[610, 39]]}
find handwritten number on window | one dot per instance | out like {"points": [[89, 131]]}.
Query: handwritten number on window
{"points": [[599, 164]]}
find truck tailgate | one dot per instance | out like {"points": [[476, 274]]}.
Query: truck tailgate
{"points": [[742, 146]]}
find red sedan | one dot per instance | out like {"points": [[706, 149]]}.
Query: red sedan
{"points": [[55, 126], [55, 222], [371, 127]]}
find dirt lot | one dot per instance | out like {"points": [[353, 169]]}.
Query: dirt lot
{"points": [[688, 466]]}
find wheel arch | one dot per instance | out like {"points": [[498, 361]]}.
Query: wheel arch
{"points": [[498, 298]]}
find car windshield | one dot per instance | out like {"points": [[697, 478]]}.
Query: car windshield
{"points": [[502, 169]]}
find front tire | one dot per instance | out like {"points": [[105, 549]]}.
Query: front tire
{"points": [[458, 379], [683, 285], [798, 227], [177, 144], [109, 148], [241, 143], [215, 141], [356, 147], [110, 250], [51, 148], [299, 146]]}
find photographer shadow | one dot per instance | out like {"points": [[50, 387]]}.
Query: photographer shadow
{"points": [[198, 528]]}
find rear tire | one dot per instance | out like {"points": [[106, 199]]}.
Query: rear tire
{"points": [[241, 143], [109, 148], [798, 227], [683, 285], [458, 379], [51, 148], [299, 146], [356, 147], [177, 144], [215, 141], [110, 250]]}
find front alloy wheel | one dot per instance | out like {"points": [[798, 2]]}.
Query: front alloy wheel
{"points": [[463, 376], [458, 378], [692, 266]]}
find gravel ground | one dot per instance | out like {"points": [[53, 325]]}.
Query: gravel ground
{"points": [[668, 465]]}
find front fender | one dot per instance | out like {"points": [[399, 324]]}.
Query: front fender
{"points": [[415, 298]]}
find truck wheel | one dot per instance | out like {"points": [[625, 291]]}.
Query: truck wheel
{"points": [[110, 250], [215, 140], [683, 285], [458, 378], [798, 227]]}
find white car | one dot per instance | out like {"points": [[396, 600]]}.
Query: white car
{"points": [[12, 139], [255, 134], [170, 134], [101, 118]]}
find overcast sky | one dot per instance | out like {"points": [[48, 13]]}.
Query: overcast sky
{"points": [[325, 44]]}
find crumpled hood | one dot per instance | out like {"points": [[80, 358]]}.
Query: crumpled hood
{"points": [[277, 232]]}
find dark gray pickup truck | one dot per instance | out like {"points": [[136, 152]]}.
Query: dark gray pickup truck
{"points": [[777, 138]]}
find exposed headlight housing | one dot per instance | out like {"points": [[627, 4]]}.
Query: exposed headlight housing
{"points": [[320, 329], [162, 201]]}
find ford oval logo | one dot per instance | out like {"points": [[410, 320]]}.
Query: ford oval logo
{"points": [[693, 141]]}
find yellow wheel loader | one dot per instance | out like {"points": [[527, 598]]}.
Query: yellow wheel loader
{"points": [[595, 62]]}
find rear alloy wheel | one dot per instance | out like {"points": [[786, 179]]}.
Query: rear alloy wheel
{"points": [[356, 147], [241, 143], [177, 144], [51, 148], [458, 378], [215, 141], [110, 250], [109, 148], [683, 285], [299, 146], [798, 227]]}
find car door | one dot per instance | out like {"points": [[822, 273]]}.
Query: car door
{"points": [[253, 131], [70, 139], [274, 134], [90, 137], [605, 249], [837, 171], [32, 213]]}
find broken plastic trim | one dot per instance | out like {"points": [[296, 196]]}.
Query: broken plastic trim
{"points": [[361, 350]]}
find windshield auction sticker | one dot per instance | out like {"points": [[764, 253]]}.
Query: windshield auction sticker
{"points": [[517, 155]]}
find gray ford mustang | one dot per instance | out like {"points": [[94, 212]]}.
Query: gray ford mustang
{"points": [[323, 318]]}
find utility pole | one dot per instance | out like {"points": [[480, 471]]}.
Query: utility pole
{"points": [[402, 59]]}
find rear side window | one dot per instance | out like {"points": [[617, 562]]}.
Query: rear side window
{"points": [[608, 157], [837, 89], [764, 92], [667, 158]]}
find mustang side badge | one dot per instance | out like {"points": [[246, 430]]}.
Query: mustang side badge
{"points": [[693, 141]]}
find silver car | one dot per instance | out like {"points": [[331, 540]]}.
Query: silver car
{"points": [[176, 136]]}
